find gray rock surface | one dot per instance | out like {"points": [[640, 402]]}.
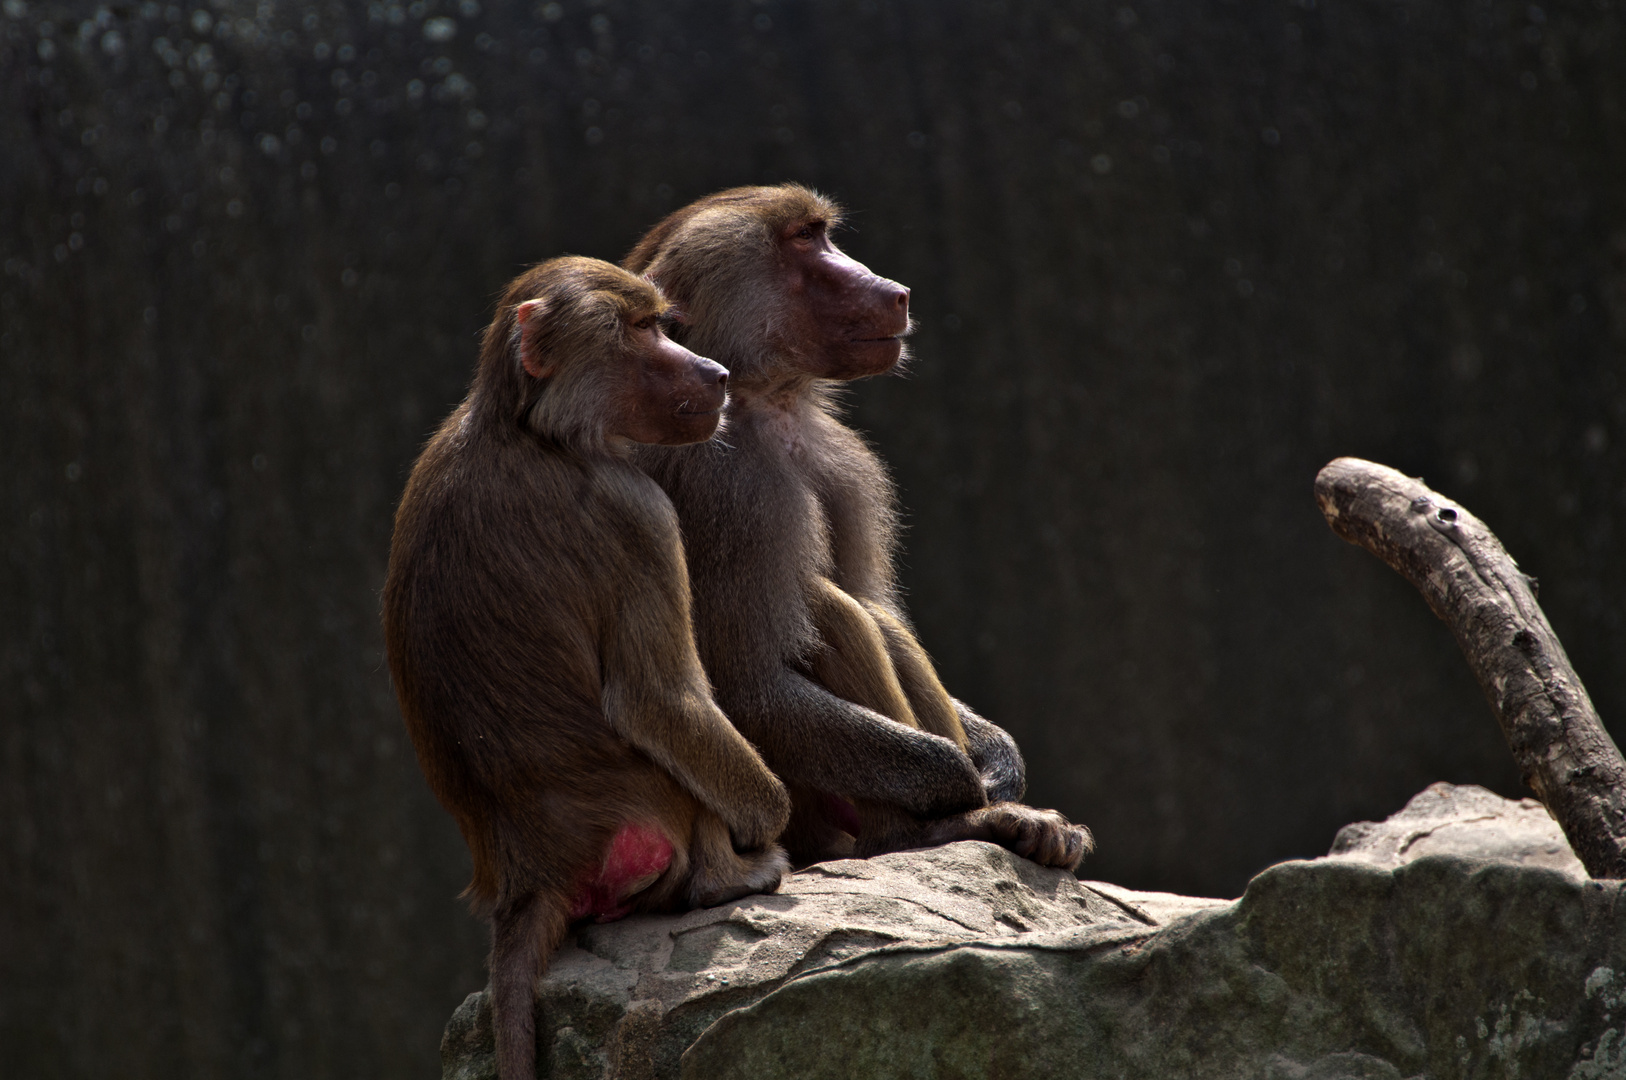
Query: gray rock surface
{"points": [[1456, 939], [1451, 819]]}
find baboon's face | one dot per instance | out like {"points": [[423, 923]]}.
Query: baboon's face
{"points": [[672, 396], [852, 321]]}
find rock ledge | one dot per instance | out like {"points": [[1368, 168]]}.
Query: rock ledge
{"points": [[1458, 938]]}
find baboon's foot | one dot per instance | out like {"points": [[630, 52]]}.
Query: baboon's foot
{"points": [[1044, 836]]}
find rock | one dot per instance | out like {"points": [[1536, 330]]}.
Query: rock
{"points": [[625, 999], [1451, 940], [1447, 819]]}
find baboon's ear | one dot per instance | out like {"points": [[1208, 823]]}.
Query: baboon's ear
{"points": [[528, 315]]}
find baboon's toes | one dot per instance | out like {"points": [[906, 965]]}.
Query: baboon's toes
{"points": [[1044, 836]]}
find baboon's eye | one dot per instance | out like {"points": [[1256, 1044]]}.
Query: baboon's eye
{"points": [[644, 323]]}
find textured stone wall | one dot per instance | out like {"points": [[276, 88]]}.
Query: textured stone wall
{"points": [[1168, 259]]}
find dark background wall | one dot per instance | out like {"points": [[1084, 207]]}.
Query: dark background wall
{"points": [[1168, 258]]}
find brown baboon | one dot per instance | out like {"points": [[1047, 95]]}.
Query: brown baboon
{"points": [[791, 526], [537, 621]]}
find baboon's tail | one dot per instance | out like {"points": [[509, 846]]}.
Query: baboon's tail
{"points": [[523, 936]]}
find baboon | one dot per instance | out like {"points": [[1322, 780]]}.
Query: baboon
{"points": [[536, 616], [790, 523]]}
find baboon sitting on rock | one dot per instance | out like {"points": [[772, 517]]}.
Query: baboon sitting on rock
{"points": [[790, 527], [536, 616]]}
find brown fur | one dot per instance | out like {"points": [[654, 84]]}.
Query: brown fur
{"points": [[791, 527], [537, 622]]}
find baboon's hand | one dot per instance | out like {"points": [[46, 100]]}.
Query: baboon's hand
{"points": [[755, 823], [995, 754]]}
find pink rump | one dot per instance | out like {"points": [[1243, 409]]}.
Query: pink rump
{"points": [[637, 854]]}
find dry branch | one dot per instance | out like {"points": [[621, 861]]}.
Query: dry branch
{"points": [[1471, 583]]}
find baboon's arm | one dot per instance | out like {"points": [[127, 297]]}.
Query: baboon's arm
{"points": [[656, 696], [812, 737]]}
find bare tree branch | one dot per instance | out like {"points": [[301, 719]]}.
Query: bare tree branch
{"points": [[1471, 583]]}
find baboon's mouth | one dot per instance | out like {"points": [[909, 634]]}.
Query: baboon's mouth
{"points": [[902, 332]]}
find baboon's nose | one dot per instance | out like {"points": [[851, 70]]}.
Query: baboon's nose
{"points": [[713, 372]]}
